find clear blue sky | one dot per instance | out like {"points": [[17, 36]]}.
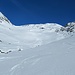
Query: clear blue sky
{"points": [[38, 11]]}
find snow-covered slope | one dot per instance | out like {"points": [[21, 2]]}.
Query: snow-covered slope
{"points": [[14, 37], [55, 58], [36, 49]]}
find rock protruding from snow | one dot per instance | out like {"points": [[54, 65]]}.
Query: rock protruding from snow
{"points": [[3, 19], [70, 26]]}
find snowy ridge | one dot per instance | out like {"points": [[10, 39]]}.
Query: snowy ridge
{"points": [[36, 49], [4, 20], [29, 36]]}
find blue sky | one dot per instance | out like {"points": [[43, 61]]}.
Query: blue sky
{"points": [[38, 11]]}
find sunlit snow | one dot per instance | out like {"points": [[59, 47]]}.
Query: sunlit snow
{"points": [[36, 49]]}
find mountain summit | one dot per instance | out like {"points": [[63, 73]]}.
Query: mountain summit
{"points": [[3, 19], [1, 15]]}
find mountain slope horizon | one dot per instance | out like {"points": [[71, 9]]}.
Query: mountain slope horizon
{"points": [[31, 35], [36, 49]]}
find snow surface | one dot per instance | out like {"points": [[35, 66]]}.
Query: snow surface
{"points": [[36, 49]]}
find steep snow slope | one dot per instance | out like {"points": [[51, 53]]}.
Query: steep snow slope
{"points": [[13, 38], [4, 20], [55, 58]]}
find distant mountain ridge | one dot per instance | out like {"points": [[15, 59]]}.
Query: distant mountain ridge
{"points": [[32, 35]]}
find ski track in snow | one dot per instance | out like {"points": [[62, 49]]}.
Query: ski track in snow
{"points": [[14, 68], [32, 59]]}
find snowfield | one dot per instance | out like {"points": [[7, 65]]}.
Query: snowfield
{"points": [[36, 49]]}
